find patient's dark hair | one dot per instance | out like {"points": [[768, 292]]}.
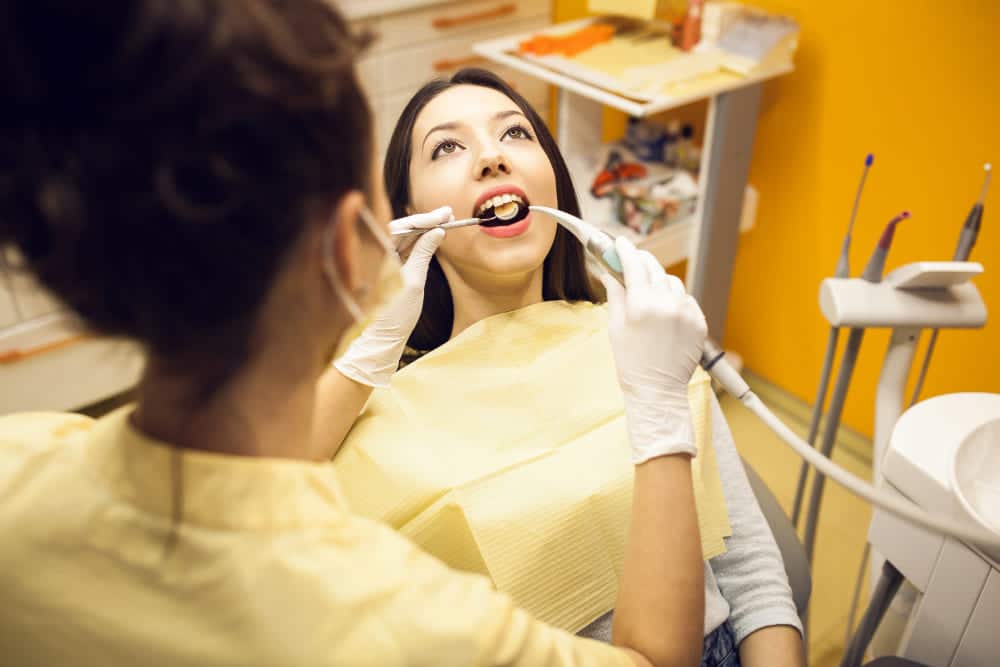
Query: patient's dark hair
{"points": [[159, 158], [564, 274]]}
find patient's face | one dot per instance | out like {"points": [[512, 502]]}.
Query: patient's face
{"points": [[470, 144]]}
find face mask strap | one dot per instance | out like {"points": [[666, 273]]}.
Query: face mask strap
{"points": [[333, 276], [330, 265]]}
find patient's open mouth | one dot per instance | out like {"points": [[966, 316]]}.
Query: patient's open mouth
{"points": [[502, 210]]}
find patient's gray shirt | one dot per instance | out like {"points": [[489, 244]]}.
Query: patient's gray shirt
{"points": [[747, 584]]}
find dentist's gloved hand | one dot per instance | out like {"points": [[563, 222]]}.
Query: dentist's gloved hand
{"points": [[374, 356], [657, 332]]}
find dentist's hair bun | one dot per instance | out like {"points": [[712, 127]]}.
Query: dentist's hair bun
{"points": [[160, 157]]}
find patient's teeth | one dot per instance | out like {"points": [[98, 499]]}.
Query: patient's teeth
{"points": [[502, 202]]}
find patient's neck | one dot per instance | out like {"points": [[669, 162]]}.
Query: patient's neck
{"points": [[477, 296]]}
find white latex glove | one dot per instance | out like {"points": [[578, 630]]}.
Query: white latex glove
{"points": [[374, 356], [657, 332]]}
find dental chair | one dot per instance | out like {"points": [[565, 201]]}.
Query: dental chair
{"points": [[794, 556]]}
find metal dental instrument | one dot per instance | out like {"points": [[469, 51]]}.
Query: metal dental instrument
{"points": [[602, 247], [454, 224], [966, 240], [842, 271]]}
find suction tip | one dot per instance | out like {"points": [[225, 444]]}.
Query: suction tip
{"points": [[869, 159]]}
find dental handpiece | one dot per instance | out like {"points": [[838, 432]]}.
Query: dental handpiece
{"points": [[601, 247]]}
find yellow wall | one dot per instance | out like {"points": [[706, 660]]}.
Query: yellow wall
{"points": [[918, 84]]}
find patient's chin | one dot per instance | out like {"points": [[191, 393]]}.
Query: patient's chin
{"points": [[511, 259]]}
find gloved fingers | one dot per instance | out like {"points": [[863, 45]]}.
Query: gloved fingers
{"points": [[654, 270], [636, 277], [404, 243], [633, 264], [420, 257], [676, 286], [426, 246], [428, 220], [413, 224], [693, 311], [616, 295]]}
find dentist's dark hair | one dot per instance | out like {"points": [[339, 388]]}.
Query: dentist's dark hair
{"points": [[159, 158], [565, 275]]}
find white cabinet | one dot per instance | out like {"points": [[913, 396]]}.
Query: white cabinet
{"points": [[47, 361], [419, 41]]}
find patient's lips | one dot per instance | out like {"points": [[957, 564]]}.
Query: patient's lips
{"points": [[506, 209]]}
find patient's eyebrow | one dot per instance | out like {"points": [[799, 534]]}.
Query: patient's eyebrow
{"points": [[453, 125], [437, 128]]}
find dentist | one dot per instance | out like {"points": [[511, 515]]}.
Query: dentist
{"points": [[196, 176]]}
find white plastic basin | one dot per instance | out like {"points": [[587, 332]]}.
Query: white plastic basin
{"points": [[976, 474]]}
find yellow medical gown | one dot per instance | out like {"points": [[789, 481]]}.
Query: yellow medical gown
{"points": [[504, 452], [264, 568]]}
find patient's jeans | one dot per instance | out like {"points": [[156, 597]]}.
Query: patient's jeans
{"points": [[720, 648]]}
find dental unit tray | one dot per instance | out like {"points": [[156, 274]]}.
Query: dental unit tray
{"points": [[921, 275], [922, 295]]}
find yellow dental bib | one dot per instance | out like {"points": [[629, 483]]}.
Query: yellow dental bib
{"points": [[504, 452]]}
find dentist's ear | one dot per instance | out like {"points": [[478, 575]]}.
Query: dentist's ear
{"points": [[341, 252]]}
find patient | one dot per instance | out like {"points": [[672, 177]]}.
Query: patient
{"points": [[509, 455]]}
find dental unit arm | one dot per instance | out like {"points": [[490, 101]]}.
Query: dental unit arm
{"points": [[602, 248]]}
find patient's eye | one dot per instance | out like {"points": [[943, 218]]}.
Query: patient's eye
{"points": [[446, 147], [517, 132]]}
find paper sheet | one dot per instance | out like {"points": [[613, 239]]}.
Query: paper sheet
{"points": [[503, 453]]}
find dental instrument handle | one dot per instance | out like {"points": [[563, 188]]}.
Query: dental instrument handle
{"points": [[602, 247], [843, 264], [714, 363], [817, 416], [843, 270], [966, 242], [467, 222], [454, 224], [876, 264]]}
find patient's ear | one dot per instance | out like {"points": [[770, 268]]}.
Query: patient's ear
{"points": [[409, 209]]}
